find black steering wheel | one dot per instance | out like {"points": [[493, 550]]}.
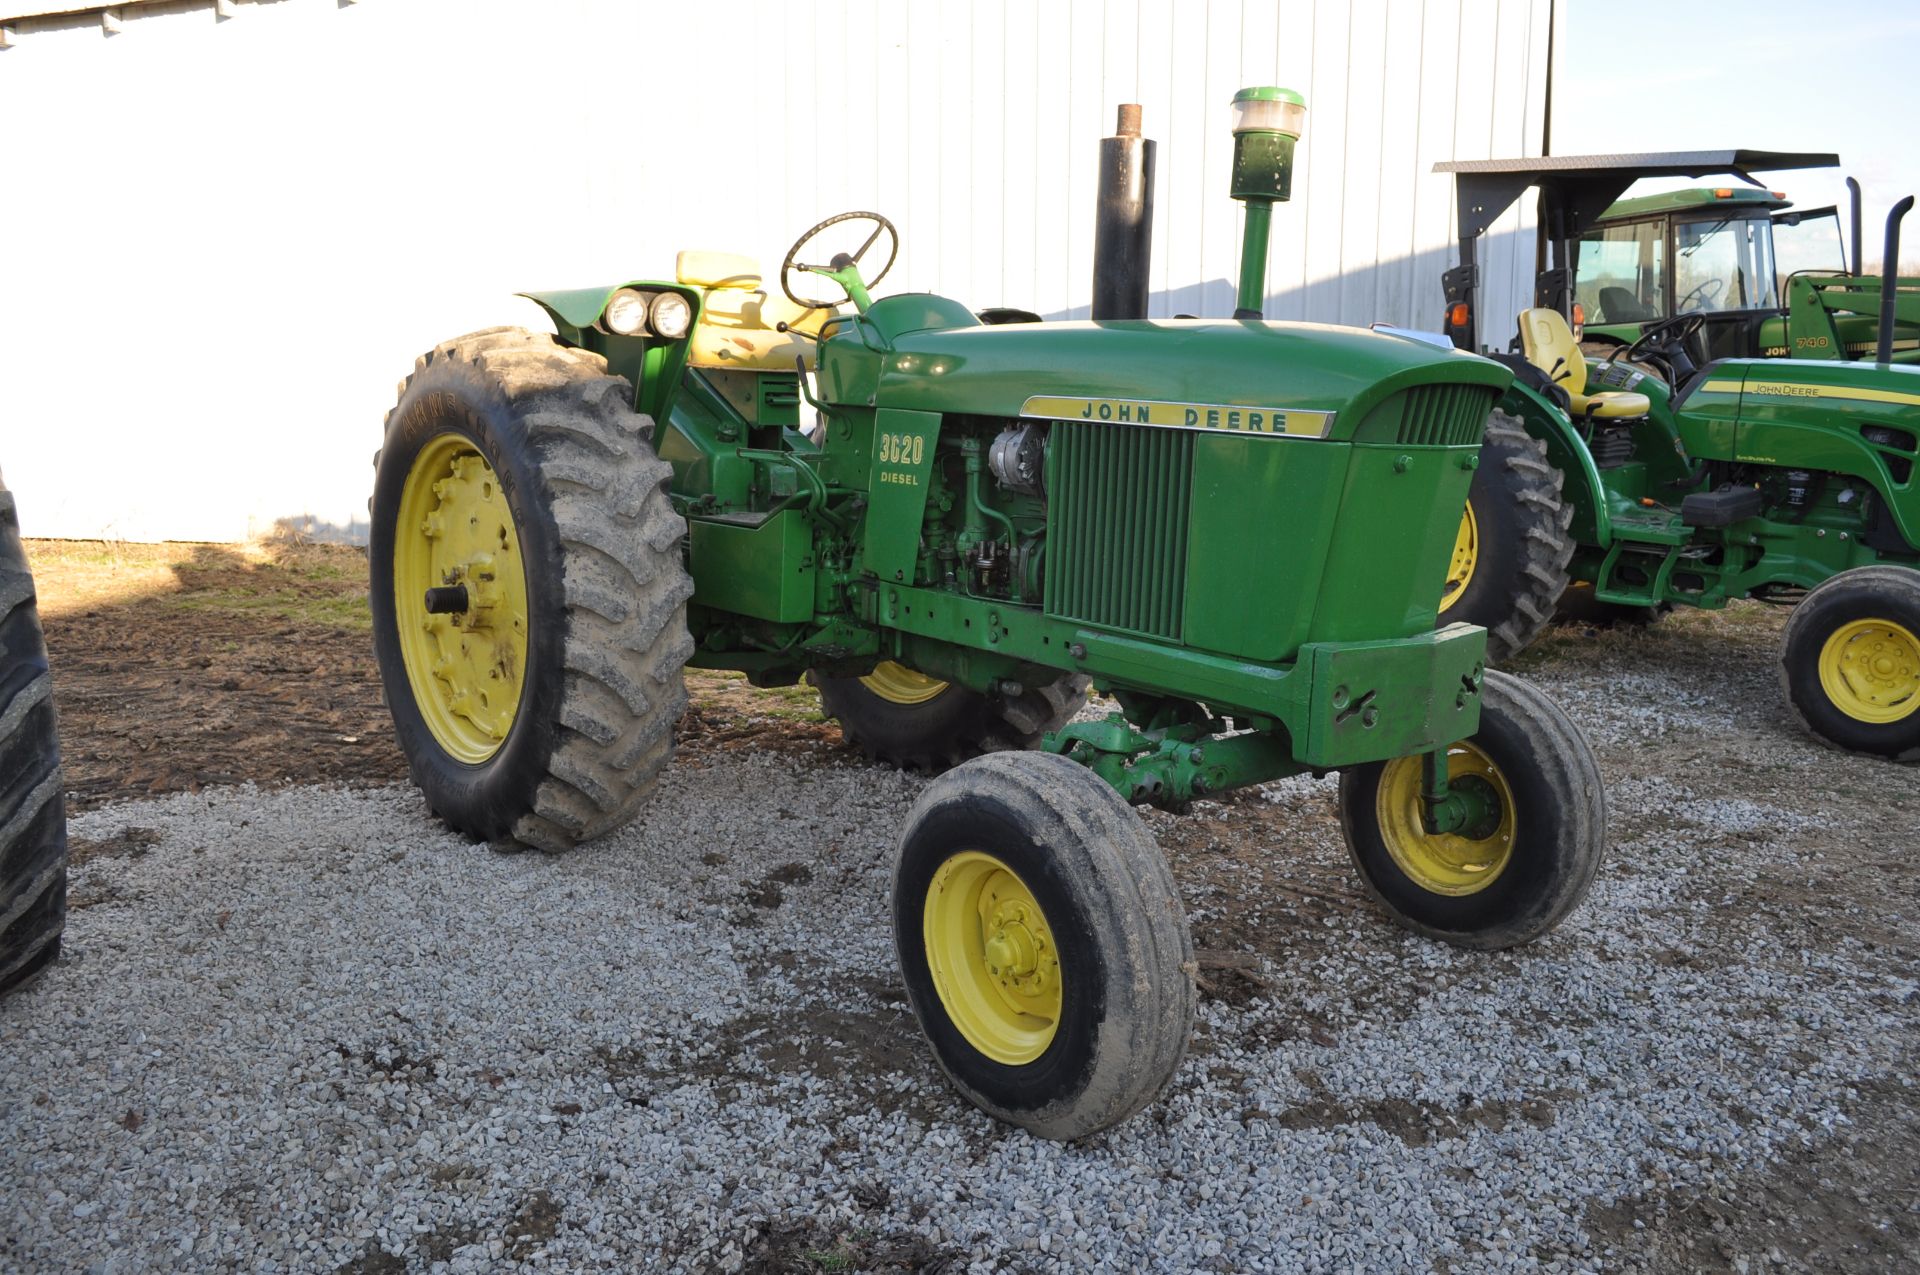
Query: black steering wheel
{"points": [[791, 265], [1666, 343], [1707, 291]]}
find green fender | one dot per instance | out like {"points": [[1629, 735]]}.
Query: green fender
{"points": [[652, 365], [1566, 451], [576, 311]]}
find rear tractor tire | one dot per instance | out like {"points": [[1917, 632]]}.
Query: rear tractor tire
{"points": [[1850, 661], [907, 719], [528, 595], [1509, 564], [33, 822], [1042, 943], [1503, 885]]}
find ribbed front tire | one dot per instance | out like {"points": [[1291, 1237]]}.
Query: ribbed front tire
{"points": [[1513, 880], [1850, 661], [1043, 944]]}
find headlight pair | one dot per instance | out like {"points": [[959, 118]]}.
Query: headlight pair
{"points": [[631, 312]]}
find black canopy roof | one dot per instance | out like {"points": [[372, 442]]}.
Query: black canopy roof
{"points": [[1584, 185]]}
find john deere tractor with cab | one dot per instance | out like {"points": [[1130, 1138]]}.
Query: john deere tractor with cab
{"points": [[1768, 280], [1657, 475], [1231, 527]]}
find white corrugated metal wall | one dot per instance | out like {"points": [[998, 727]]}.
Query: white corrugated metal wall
{"points": [[225, 240]]}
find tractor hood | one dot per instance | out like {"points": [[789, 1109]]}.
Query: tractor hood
{"points": [[1182, 363]]}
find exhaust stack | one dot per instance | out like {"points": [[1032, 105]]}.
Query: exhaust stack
{"points": [[1859, 260], [1123, 224], [1890, 277]]}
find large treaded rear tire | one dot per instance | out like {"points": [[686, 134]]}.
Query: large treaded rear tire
{"points": [[606, 587], [33, 821], [955, 726], [1523, 539]]}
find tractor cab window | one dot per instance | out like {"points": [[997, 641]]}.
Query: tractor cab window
{"points": [[1724, 263], [1808, 242], [1620, 273]]}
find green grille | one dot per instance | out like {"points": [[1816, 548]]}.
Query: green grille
{"points": [[1445, 415], [1117, 526]]}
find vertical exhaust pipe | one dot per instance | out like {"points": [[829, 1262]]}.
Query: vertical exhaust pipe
{"points": [[1889, 276], [1859, 260], [1123, 223]]}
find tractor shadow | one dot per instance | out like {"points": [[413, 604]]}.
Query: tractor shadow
{"points": [[179, 666]]}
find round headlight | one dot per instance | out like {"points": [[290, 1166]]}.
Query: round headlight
{"points": [[626, 312], [670, 315]]}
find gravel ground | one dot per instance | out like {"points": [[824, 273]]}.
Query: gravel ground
{"points": [[305, 1029]]}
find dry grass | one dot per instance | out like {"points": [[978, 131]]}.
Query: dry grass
{"points": [[322, 585]]}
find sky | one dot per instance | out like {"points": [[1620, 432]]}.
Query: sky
{"points": [[1760, 75]]}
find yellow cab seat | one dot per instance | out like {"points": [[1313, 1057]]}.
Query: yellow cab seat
{"points": [[739, 318], [1550, 346]]}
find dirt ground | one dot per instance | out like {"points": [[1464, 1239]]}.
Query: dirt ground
{"points": [[183, 666], [179, 666]]}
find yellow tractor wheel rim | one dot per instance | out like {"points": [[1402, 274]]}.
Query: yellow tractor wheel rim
{"points": [[455, 528], [1443, 862], [993, 959], [1870, 669], [898, 684], [1466, 554]]}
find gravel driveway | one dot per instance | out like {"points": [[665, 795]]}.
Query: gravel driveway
{"points": [[305, 1029]]}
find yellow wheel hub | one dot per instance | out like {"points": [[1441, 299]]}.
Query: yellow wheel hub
{"points": [[1870, 669], [454, 529], [1466, 553], [992, 957], [1444, 862], [898, 684]]}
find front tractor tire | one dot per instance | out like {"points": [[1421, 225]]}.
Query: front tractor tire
{"points": [[1509, 562], [33, 822], [1516, 876], [528, 596], [1042, 943], [907, 719], [1850, 661]]}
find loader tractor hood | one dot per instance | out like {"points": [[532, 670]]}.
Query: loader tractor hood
{"points": [[1301, 378]]}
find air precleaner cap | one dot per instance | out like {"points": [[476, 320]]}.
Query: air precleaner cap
{"points": [[1269, 110]]}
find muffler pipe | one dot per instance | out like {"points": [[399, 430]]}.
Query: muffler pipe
{"points": [[1859, 261], [1123, 223], [1889, 277]]}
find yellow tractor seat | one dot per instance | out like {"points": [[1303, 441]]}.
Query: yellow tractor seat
{"points": [[739, 321], [1550, 346], [699, 269]]}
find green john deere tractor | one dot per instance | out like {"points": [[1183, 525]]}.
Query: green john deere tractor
{"points": [[1231, 527], [1658, 476], [1768, 280]]}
